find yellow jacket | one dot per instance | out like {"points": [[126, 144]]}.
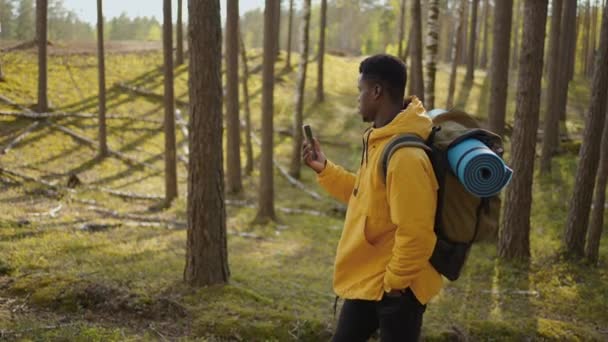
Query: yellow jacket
{"points": [[388, 234]]}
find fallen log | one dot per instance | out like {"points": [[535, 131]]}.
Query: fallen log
{"points": [[29, 129]]}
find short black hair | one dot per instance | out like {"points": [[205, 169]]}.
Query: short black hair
{"points": [[388, 70]]}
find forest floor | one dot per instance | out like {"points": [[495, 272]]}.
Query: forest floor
{"points": [[92, 258]]}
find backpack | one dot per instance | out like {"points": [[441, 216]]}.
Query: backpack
{"points": [[461, 217]]}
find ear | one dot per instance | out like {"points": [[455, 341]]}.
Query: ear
{"points": [[377, 91]]}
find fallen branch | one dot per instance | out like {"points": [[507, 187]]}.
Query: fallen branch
{"points": [[119, 155], [148, 93], [32, 115], [20, 137], [15, 104], [128, 195], [52, 213], [28, 178], [123, 216]]}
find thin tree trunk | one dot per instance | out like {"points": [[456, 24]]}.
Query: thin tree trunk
{"points": [[516, 25], [572, 43], [416, 80], [465, 31], [597, 212], [206, 249], [580, 203], [499, 72], [101, 72], [551, 121], [514, 237], [401, 30], [179, 57], [592, 41], [408, 46], [289, 26], [483, 60], [432, 44], [1, 74], [567, 47], [277, 29], [266, 191], [472, 41], [169, 124], [41, 36], [456, 52], [321, 56], [586, 34], [248, 145], [233, 142], [296, 153]]}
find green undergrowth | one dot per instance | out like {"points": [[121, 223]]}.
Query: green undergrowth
{"points": [[60, 279]]}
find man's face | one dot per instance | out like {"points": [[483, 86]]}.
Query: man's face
{"points": [[368, 99]]}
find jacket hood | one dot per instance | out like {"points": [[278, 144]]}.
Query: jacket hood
{"points": [[412, 119]]}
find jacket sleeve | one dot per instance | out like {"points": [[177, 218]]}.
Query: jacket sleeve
{"points": [[412, 197], [337, 181]]}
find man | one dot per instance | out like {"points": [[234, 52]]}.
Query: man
{"points": [[382, 267]]}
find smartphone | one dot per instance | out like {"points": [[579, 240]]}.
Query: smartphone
{"points": [[308, 134]]}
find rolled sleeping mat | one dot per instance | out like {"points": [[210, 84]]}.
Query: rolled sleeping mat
{"points": [[481, 171]]}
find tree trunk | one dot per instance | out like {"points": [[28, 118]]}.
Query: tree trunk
{"points": [[472, 41], [206, 249], [456, 52], [41, 36], [592, 40], [1, 74], [169, 124], [401, 30], [586, 34], [432, 43], [483, 60], [416, 80], [321, 57], [277, 29], [499, 72], [179, 58], [572, 43], [551, 120], [597, 212], [568, 38], [516, 25], [266, 193], [233, 142], [462, 59], [101, 72], [296, 153], [580, 203], [514, 237], [248, 145], [289, 25]]}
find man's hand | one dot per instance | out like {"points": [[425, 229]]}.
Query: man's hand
{"points": [[316, 164]]}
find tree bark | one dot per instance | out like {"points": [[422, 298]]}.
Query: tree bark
{"points": [[462, 59], [179, 56], [289, 26], [432, 44], [41, 36], [169, 124], [233, 142], [514, 237], [597, 212], [472, 41], [101, 72], [245, 79], [321, 56], [592, 40], [499, 72], [266, 191], [483, 59], [1, 74], [416, 80], [572, 42], [296, 154], [580, 203], [206, 252], [277, 29], [456, 52], [586, 36], [551, 120], [401, 30]]}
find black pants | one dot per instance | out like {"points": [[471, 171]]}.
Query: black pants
{"points": [[399, 319]]}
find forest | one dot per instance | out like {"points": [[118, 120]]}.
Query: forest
{"points": [[152, 185]]}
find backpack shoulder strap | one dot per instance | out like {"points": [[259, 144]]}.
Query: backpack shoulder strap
{"points": [[399, 141]]}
